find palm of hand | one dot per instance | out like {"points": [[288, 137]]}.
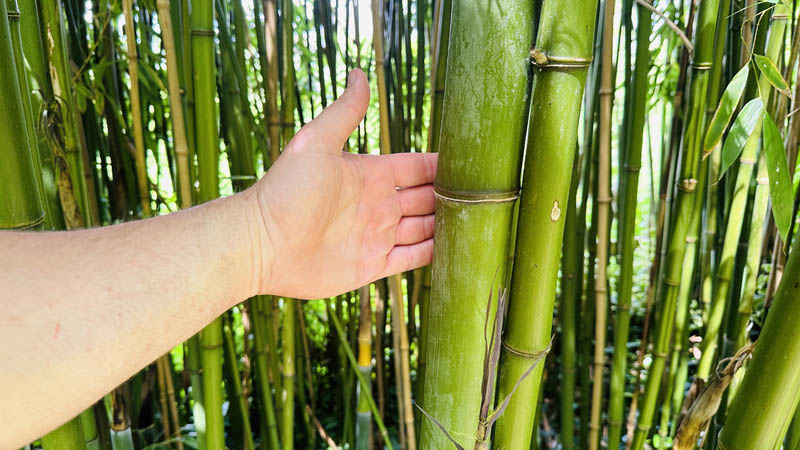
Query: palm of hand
{"points": [[339, 217]]}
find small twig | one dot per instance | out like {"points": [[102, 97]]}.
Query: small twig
{"points": [[686, 42], [320, 429]]}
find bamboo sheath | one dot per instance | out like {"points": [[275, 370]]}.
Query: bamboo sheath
{"points": [[561, 59], [481, 141]]}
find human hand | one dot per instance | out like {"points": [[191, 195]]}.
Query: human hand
{"points": [[333, 221]]}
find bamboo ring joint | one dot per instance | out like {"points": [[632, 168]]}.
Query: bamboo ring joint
{"points": [[524, 354], [476, 197], [202, 32], [14, 15], [549, 62], [701, 66]]}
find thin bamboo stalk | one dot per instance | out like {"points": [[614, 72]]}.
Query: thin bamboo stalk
{"points": [[260, 330], [211, 337], [236, 400], [627, 224], [561, 66], [136, 109], [175, 105], [404, 375], [364, 421], [603, 223], [747, 161], [685, 203], [273, 117]]}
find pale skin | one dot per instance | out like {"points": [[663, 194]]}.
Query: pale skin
{"points": [[82, 311]]}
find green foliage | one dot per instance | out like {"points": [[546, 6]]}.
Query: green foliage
{"points": [[742, 129]]}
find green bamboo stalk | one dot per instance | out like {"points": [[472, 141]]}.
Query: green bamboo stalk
{"points": [[66, 147], [22, 205], [768, 386], [563, 50], [179, 135], [681, 218], [260, 330], [567, 312], [239, 411], [272, 117], [288, 372], [203, 56], [627, 225], [66, 437], [136, 109], [747, 161], [603, 223], [476, 184], [348, 350]]}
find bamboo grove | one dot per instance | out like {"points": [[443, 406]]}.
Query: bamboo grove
{"points": [[616, 210]]}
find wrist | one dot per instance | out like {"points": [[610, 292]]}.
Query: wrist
{"points": [[258, 252]]}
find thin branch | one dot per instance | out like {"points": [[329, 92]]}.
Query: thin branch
{"points": [[686, 42]]}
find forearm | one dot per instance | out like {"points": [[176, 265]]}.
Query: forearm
{"points": [[72, 300]]}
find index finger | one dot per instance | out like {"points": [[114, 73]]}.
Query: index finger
{"points": [[412, 169]]}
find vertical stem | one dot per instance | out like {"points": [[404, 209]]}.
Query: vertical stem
{"points": [[136, 109]]}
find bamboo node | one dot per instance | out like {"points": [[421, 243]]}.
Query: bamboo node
{"points": [[524, 354], [762, 180], [701, 66], [633, 169], [688, 185], [669, 282], [549, 62], [779, 17], [201, 32], [475, 197], [747, 162], [691, 239], [14, 15], [24, 225]]}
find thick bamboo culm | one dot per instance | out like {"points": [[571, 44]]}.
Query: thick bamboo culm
{"points": [[473, 199], [560, 62]]}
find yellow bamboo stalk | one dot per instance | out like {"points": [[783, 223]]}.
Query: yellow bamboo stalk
{"points": [[404, 378], [175, 105], [136, 109], [603, 206]]}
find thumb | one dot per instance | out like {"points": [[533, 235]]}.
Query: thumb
{"points": [[341, 118]]}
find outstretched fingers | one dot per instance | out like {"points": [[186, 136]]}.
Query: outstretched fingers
{"points": [[413, 169], [413, 229], [417, 200], [403, 258]]}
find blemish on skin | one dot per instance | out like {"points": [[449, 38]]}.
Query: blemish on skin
{"points": [[555, 213], [58, 328]]}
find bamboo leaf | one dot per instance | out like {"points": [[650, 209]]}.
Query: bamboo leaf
{"points": [[772, 74], [724, 113], [741, 130], [780, 184]]}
